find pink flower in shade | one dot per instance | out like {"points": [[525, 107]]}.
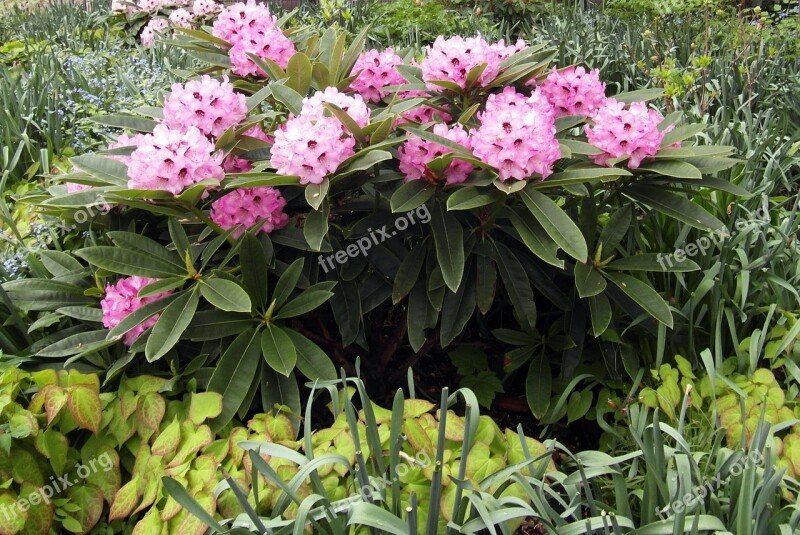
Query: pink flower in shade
{"points": [[423, 114], [621, 131], [173, 160], [152, 30], [251, 29], [206, 104], [201, 8], [517, 135], [256, 132], [503, 52], [181, 18], [74, 187], [311, 148], [376, 70], [122, 299], [235, 164], [354, 105], [452, 59], [416, 153], [245, 207], [124, 140], [573, 91]]}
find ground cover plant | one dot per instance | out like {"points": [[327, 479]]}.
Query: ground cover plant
{"points": [[240, 300]]}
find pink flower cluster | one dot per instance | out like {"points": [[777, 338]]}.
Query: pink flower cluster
{"points": [[207, 104], [376, 70], [251, 29], [354, 106], [621, 131], [314, 144], [452, 59], [574, 91], [246, 207], [201, 8], [416, 153], [517, 135], [424, 114], [152, 30], [311, 148], [173, 160], [181, 18], [122, 299]]}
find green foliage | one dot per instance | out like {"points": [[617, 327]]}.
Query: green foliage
{"points": [[419, 22], [408, 470]]}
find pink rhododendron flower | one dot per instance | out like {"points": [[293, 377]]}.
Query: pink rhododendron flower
{"points": [[517, 135], [416, 153], [423, 114], [201, 8], [256, 132], [354, 105], [207, 104], [621, 131], [504, 52], [149, 6], [311, 148], [152, 30], [172, 160], [74, 187], [376, 70], [124, 140], [245, 207], [251, 29], [574, 91], [235, 164], [181, 18], [122, 299], [452, 59]]}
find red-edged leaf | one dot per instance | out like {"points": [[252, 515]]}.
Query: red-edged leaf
{"points": [[150, 410], [125, 500], [85, 407]]}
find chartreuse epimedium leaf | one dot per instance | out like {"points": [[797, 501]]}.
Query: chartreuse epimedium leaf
{"points": [[644, 295], [449, 240], [203, 406], [234, 373], [278, 349], [170, 325], [85, 407], [180, 495], [225, 295], [558, 225]]}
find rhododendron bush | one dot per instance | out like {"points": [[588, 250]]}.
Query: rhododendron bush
{"points": [[254, 225]]}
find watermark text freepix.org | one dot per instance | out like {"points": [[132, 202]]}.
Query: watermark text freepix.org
{"points": [[374, 237], [705, 243], [699, 492], [56, 485]]}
